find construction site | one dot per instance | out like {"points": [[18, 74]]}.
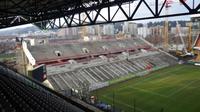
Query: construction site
{"points": [[100, 56]]}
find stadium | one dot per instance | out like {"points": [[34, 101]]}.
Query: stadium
{"points": [[91, 56], [117, 75]]}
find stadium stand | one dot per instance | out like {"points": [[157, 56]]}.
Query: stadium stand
{"points": [[50, 53], [109, 70], [95, 63], [22, 94]]}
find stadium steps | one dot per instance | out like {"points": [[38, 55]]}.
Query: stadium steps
{"points": [[122, 71], [139, 66], [135, 65], [86, 77], [53, 83], [151, 62], [107, 72], [76, 79], [61, 76], [80, 77], [95, 74], [115, 69], [125, 67], [130, 66], [58, 82], [70, 77], [156, 63], [100, 73], [77, 76], [166, 58], [142, 64], [111, 71], [86, 72], [68, 80]]}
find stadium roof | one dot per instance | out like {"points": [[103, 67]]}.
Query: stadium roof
{"points": [[46, 13], [35, 7], [17, 12]]}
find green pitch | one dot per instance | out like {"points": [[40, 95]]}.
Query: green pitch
{"points": [[172, 89]]}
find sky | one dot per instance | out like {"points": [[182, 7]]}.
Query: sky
{"points": [[176, 7]]}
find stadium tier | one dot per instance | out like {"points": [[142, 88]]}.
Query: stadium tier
{"points": [[50, 53], [105, 72], [21, 94], [95, 64]]}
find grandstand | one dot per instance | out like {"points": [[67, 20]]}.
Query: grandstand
{"points": [[83, 67], [99, 75], [50, 54], [21, 94], [96, 64]]}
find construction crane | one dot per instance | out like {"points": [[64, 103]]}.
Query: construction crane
{"points": [[166, 26], [189, 48], [185, 51]]}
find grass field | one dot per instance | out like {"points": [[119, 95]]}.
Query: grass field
{"points": [[172, 89]]}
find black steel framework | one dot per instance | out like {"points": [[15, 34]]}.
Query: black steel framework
{"points": [[51, 14]]}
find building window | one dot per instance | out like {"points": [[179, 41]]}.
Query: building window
{"points": [[58, 53]]}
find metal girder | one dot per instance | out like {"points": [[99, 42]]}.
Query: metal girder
{"points": [[67, 13]]}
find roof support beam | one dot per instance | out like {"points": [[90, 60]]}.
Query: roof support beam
{"points": [[70, 12]]}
